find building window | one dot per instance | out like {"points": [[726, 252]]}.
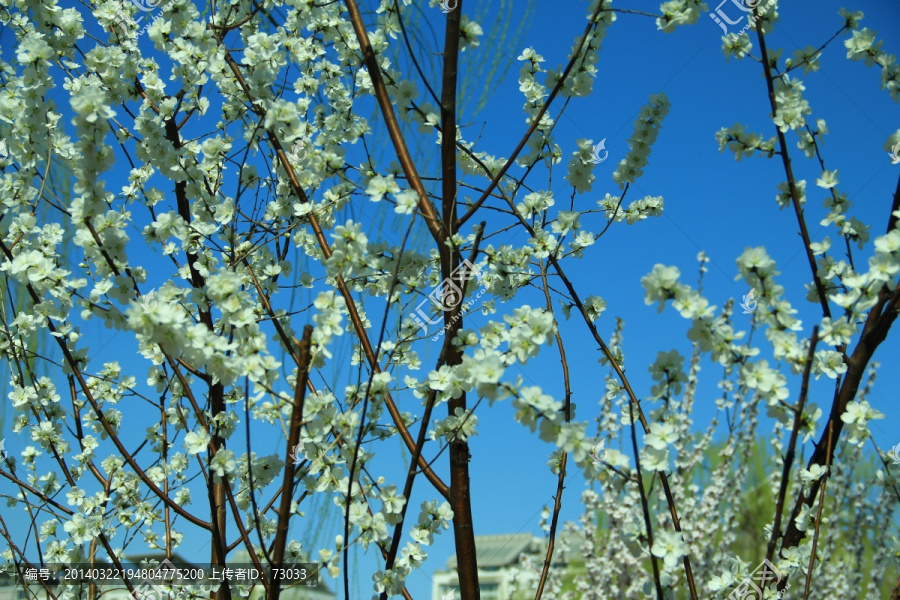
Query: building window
{"points": [[490, 591]]}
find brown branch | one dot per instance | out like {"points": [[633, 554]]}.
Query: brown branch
{"points": [[689, 574], [27, 563], [645, 507], [267, 306], [874, 332], [792, 443], [391, 555], [495, 180], [284, 512], [420, 443], [789, 173], [670, 500], [352, 311], [567, 412], [217, 501], [167, 517], [35, 492], [460, 496], [244, 536], [390, 119], [812, 554], [895, 206], [73, 364]]}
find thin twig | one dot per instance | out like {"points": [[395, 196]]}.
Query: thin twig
{"points": [[567, 412], [812, 554], [645, 508], [792, 443]]}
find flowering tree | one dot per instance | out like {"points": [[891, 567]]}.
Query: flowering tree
{"points": [[230, 170]]}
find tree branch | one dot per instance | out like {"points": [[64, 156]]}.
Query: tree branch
{"points": [[284, 512]]}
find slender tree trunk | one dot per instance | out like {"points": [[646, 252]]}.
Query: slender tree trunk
{"points": [[287, 493], [217, 497], [460, 499]]}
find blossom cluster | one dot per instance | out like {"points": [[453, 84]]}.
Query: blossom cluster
{"points": [[646, 130]]}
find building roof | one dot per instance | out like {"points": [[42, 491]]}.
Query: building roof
{"points": [[498, 550], [505, 549]]}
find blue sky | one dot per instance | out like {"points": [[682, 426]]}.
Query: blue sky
{"points": [[712, 203]]}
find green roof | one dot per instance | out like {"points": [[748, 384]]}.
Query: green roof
{"points": [[498, 550], [495, 551]]}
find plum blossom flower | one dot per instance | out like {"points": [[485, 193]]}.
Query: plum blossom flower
{"points": [[197, 442], [655, 459], [857, 416], [828, 179], [661, 285], [661, 436], [669, 546], [380, 186], [223, 463], [83, 529]]}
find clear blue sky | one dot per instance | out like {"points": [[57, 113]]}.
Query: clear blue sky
{"points": [[711, 204]]}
